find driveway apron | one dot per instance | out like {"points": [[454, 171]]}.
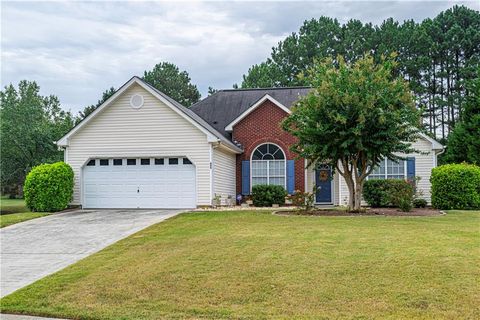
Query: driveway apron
{"points": [[34, 249]]}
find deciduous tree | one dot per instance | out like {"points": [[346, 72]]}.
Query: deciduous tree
{"points": [[436, 56], [29, 126], [168, 78], [356, 115]]}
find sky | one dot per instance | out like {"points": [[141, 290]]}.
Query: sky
{"points": [[77, 50]]}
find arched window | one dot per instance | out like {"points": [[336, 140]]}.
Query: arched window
{"points": [[268, 165]]}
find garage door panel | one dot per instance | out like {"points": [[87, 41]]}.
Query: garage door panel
{"points": [[139, 186]]}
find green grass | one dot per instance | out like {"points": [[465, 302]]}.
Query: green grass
{"points": [[12, 205], [254, 265], [14, 211]]}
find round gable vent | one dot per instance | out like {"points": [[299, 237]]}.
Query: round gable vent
{"points": [[136, 101]]}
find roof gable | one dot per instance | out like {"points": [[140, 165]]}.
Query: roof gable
{"points": [[223, 107], [266, 97], [212, 134], [435, 144]]}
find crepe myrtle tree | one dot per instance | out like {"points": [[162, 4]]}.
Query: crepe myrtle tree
{"points": [[356, 115]]}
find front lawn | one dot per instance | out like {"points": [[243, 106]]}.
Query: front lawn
{"points": [[14, 211], [255, 265], [8, 206]]}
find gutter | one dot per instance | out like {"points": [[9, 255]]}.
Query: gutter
{"points": [[219, 143], [439, 153]]}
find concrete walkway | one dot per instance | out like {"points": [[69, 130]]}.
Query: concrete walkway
{"points": [[36, 248]]}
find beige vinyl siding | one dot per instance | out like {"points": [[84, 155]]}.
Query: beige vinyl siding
{"points": [[424, 163], [224, 178], [154, 130]]}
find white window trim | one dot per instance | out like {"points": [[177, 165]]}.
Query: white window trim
{"points": [[386, 170], [268, 165]]}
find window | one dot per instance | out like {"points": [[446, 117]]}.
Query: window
{"points": [[186, 161], [145, 162], [131, 162], [91, 162], [389, 169], [117, 162], [160, 161], [268, 165], [104, 162], [173, 161]]}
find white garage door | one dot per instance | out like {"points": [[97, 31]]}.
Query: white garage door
{"points": [[139, 183]]}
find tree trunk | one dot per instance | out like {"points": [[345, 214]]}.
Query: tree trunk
{"points": [[347, 175], [351, 191], [434, 90], [358, 197], [442, 100], [351, 199]]}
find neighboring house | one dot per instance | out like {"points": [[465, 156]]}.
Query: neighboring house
{"points": [[142, 149]]}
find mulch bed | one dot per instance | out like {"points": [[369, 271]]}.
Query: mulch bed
{"points": [[415, 212]]}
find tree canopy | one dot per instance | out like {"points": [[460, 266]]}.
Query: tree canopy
{"points": [[29, 125], [168, 78], [463, 143], [357, 114], [89, 109], [436, 56]]}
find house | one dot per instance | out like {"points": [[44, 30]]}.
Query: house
{"points": [[142, 149]]}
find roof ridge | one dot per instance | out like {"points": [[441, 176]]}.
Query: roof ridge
{"points": [[202, 100], [267, 88]]}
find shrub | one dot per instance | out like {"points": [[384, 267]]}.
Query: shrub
{"points": [[266, 195], [401, 194], [420, 203], [303, 200], [456, 186], [49, 187], [405, 204], [390, 192], [375, 193]]}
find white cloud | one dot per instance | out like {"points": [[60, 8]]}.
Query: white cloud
{"points": [[76, 50]]}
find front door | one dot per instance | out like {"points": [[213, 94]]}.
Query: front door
{"points": [[323, 184]]}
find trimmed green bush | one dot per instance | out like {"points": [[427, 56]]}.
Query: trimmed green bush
{"points": [[456, 186], [420, 203], [389, 192], [375, 193], [265, 195], [49, 187]]}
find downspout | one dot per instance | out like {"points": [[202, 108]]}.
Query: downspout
{"points": [[213, 146], [439, 153]]}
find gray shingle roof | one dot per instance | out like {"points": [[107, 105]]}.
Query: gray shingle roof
{"points": [[225, 106], [195, 117]]}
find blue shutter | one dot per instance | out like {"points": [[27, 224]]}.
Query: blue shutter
{"points": [[245, 177], [411, 168], [290, 176]]}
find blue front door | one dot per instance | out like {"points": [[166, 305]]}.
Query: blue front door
{"points": [[323, 184]]}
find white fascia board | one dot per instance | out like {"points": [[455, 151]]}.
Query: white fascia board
{"points": [[435, 144], [210, 136], [230, 126], [225, 146], [64, 140]]}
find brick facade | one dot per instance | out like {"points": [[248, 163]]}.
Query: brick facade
{"points": [[262, 126]]}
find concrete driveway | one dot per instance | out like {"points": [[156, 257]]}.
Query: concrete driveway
{"points": [[34, 249]]}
